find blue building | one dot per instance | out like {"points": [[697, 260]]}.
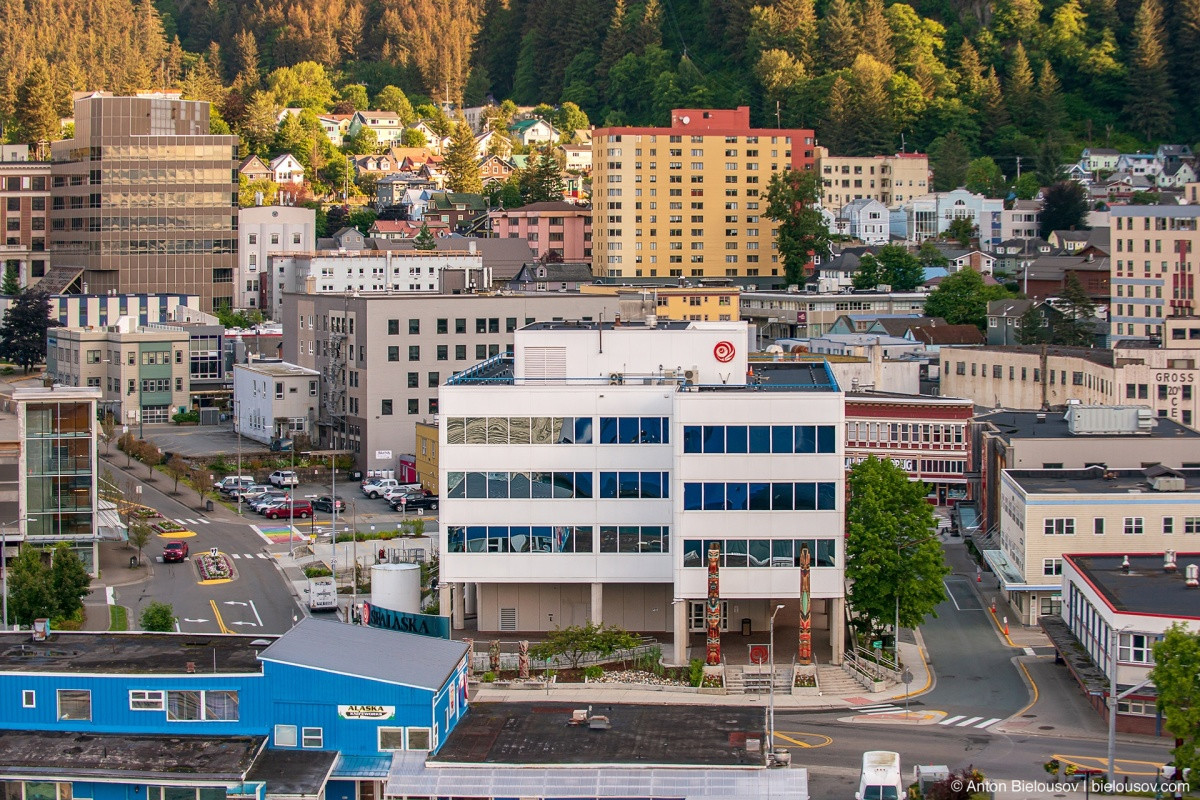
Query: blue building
{"points": [[317, 712]]}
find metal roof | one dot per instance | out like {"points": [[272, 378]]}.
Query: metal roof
{"points": [[405, 659]]}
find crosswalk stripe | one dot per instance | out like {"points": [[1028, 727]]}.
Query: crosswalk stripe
{"points": [[204, 521], [887, 709], [951, 721], [986, 723], [971, 721], [1029, 651], [235, 555], [263, 555], [249, 555]]}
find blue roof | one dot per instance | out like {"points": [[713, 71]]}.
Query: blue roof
{"points": [[362, 766]]}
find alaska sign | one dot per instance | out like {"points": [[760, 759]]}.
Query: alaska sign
{"points": [[420, 624], [367, 712]]}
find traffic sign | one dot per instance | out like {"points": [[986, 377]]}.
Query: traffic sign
{"points": [[877, 644]]}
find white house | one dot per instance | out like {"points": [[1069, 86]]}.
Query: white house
{"points": [[387, 125], [1139, 164], [274, 401], [336, 127], [484, 143], [1099, 159], [578, 157], [286, 169], [1176, 176], [930, 215], [585, 478], [533, 131], [868, 220], [414, 202]]}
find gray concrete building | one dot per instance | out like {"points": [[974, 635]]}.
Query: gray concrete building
{"points": [[145, 197], [263, 230], [382, 356], [275, 401]]}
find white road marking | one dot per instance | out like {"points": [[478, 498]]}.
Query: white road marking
{"points": [[986, 723], [256, 616], [970, 721], [1029, 651], [951, 720], [950, 594], [263, 555], [887, 708], [235, 555]]}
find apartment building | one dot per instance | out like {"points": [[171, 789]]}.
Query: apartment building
{"points": [[24, 197], [1047, 514], [563, 230], [82, 310], [383, 356], [686, 303], [263, 231], [142, 372], [1154, 267], [144, 196], [889, 179], [929, 216], [1163, 378], [275, 401], [586, 477], [803, 315], [1022, 221], [688, 200]]}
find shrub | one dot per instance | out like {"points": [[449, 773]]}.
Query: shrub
{"points": [[317, 572], [185, 416], [695, 672], [593, 672], [158, 616], [488, 677]]}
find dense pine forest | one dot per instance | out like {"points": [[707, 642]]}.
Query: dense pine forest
{"points": [[1006, 78]]}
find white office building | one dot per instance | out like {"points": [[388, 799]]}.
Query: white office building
{"points": [[263, 230], [585, 476]]}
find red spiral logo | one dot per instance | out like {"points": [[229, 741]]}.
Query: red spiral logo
{"points": [[724, 351]]}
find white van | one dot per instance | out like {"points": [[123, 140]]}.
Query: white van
{"points": [[880, 776], [322, 594]]}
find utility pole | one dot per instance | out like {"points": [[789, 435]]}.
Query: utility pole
{"points": [[777, 123], [1018, 168]]}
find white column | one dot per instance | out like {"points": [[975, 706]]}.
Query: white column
{"points": [[459, 607], [596, 611], [446, 601], [837, 629], [680, 629]]}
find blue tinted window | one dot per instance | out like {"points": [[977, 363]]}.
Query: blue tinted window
{"points": [[455, 540], [476, 539], [652, 484], [666, 484], [608, 430], [630, 484], [826, 442], [564, 484], [760, 497], [782, 439], [691, 439], [566, 434], [583, 484], [714, 497], [476, 484], [518, 484], [497, 541], [652, 430], [826, 553], [691, 497], [519, 540], [666, 430], [583, 430], [760, 552], [608, 484], [735, 497], [806, 497], [781, 552], [760, 439], [627, 430], [691, 552], [806, 439], [457, 483], [827, 496], [735, 439], [714, 439], [781, 496], [542, 484]]}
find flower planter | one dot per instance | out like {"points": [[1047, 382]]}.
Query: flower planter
{"points": [[214, 567], [167, 526], [710, 690]]}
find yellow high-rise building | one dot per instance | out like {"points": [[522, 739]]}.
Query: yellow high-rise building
{"points": [[889, 179], [689, 200]]}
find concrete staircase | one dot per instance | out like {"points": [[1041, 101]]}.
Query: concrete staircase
{"points": [[739, 680], [834, 680]]}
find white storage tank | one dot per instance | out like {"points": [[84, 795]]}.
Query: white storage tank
{"points": [[396, 587]]}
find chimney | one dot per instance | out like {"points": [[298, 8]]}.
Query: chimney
{"points": [[617, 321], [1125, 565], [1169, 561], [1193, 577]]}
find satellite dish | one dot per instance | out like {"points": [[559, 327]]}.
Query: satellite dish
{"points": [[685, 120]]}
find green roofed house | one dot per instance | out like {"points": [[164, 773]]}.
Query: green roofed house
{"points": [[533, 131], [459, 209]]}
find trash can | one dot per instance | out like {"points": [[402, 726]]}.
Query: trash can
{"points": [[746, 626], [208, 506], [133, 562], [356, 475]]}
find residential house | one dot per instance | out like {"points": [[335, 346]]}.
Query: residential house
{"points": [[287, 169], [373, 164], [398, 229], [929, 216], [490, 140], [533, 131], [1170, 156], [494, 169], [897, 326], [578, 157], [1069, 242], [558, 229], [1022, 221], [387, 125], [1176, 175], [1047, 276], [433, 139], [935, 336], [276, 401], [959, 259], [389, 189], [1075, 172], [336, 127], [1139, 164], [459, 209], [347, 238], [901, 326], [1099, 159], [1120, 186], [836, 274], [1014, 254], [1004, 319], [255, 169], [552, 277], [414, 202], [867, 220]]}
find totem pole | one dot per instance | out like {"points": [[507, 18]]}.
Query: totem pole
{"points": [[494, 656], [805, 608], [712, 607], [523, 660], [470, 643]]}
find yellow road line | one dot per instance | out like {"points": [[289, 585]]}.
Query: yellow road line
{"points": [[1097, 762], [928, 678], [1032, 683], [217, 614], [1000, 628], [824, 740]]}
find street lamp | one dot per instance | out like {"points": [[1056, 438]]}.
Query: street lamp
{"points": [[771, 696], [312, 521], [1112, 702], [237, 427], [896, 630], [4, 560]]}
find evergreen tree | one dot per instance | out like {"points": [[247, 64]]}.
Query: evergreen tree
{"points": [[1016, 19], [23, 330], [1031, 328], [991, 105], [1049, 161], [259, 122], [793, 200], [840, 37], [461, 162], [391, 98], [835, 129], [1048, 100], [949, 159], [245, 51], [69, 581], [799, 18], [1074, 327], [1186, 47], [1149, 104], [1020, 85], [11, 286], [37, 106], [970, 74], [541, 181], [871, 127], [875, 33], [1064, 208], [424, 239]]}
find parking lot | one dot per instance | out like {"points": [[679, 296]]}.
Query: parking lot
{"points": [[360, 511]]}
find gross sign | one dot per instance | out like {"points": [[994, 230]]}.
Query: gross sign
{"points": [[367, 712]]}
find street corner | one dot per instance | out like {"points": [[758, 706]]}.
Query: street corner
{"points": [[900, 717], [214, 567], [172, 535], [803, 739]]}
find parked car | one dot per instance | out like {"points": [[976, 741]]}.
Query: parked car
{"points": [[175, 551], [231, 482], [414, 502], [326, 503], [247, 493], [375, 487], [284, 477], [404, 490], [265, 498], [298, 508]]}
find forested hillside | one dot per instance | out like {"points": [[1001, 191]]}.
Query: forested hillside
{"points": [[1010, 78]]}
